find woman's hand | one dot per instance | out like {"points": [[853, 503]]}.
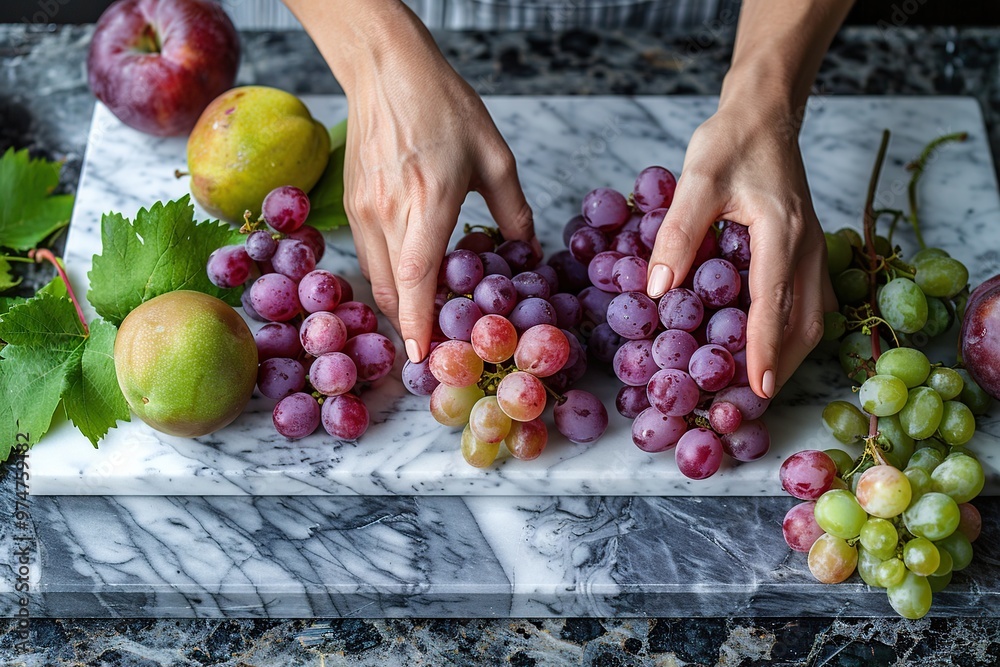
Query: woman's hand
{"points": [[745, 165]]}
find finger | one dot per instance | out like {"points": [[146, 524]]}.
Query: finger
{"points": [[692, 212], [360, 248], [423, 246], [500, 188], [772, 284], [805, 324], [380, 274]]}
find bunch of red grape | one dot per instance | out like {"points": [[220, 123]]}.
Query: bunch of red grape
{"points": [[504, 345], [318, 344], [682, 357]]}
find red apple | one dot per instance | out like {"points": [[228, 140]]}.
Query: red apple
{"points": [[158, 63], [981, 336]]}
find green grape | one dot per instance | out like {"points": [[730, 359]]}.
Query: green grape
{"points": [[933, 515], [855, 351], [883, 395], [958, 545], [882, 246], [838, 253], [960, 477], [842, 459], [972, 394], [879, 537], [938, 584], [939, 318], [868, 567], [852, 236], [838, 513], [845, 421], [927, 253], [941, 276], [922, 413], [890, 572], [477, 452], [947, 563], [834, 325], [945, 381], [931, 443], [898, 445], [903, 305], [925, 458], [909, 365], [957, 423], [831, 559], [911, 598], [921, 556], [920, 482], [850, 286]]}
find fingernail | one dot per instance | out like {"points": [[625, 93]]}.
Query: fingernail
{"points": [[659, 280], [767, 383], [412, 350], [536, 245]]}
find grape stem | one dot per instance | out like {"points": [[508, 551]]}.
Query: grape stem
{"points": [[917, 167], [45, 255]]}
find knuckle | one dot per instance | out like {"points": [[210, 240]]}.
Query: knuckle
{"points": [[813, 330], [385, 296], [674, 239], [781, 298], [413, 268]]}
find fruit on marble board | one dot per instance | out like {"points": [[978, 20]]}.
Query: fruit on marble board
{"points": [[157, 64], [981, 336], [186, 363], [249, 141]]}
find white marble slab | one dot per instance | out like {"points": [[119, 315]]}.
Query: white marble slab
{"points": [[564, 147]]}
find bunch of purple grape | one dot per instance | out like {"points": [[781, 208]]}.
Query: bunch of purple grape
{"points": [[504, 346], [318, 344], [682, 358]]}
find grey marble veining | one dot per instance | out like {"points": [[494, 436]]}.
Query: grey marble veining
{"points": [[564, 147]]}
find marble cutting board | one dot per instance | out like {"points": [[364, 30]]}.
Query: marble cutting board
{"points": [[564, 147]]}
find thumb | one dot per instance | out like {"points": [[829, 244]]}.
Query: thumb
{"points": [[502, 191]]}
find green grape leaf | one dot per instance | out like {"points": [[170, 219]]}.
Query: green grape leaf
{"points": [[326, 199], [29, 212], [7, 279], [163, 250]]}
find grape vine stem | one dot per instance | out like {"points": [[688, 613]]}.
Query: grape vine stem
{"points": [[45, 255], [917, 167]]}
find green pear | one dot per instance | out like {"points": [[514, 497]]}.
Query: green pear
{"points": [[186, 363], [249, 141]]}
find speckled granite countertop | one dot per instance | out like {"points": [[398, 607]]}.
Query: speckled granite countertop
{"points": [[45, 105]]}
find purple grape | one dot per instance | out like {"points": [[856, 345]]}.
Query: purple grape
{"points": [[461, 271], [633, 363], [261, 245], [574, 223], [724, 417], [595, 304], [296, 416], [681, 308], [744, 300], [600, 269], [654, 188], [495, 295], [604, 343], [229, 266], [418, 379], [550, 276], [345, 417], [569, 312], [717, 283], [529, 284], [699, 453], [749, 442], [712, 367], [740, 376], [319, 290], [581, 416], [649, 227], [531, 312], [280, 377], [673, 349], [632, 224], [313, 238], [275, 297], [277, 339], [519, 255], [293, 259], [633, 315], [631, 401], [734, 245], [286, 208], [653, 431], [333, 374], [358, 317], [494, 264], [586, 243], [477, 242], [673, 392], [750, 404], [728, 328], [571, 273], [629, 274], [605, 209], [373, 354], [248, 306], [630, 243], [457, 317], [576, 351], [321, 333]]}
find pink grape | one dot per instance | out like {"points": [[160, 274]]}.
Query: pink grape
{"points": [[285, 208], [601, 268], [322, 332], [654, 188], [260, 245], [229, 266], [293, 259], [296, 416], [728, 328], [717, 283], [358, 317], [346, 291], [653, 431], [673, 392], [494, 339], [373, 354], [319, 290], [275, 297], [488, 422], [605, 209], [248, 306], [521, 396], [542, 350], [461, 271], [749, 442], [650, 224], [495, 294], [633, 363], [681, 308], [345, 417], [629, 274], [734, 245], [970, 521], [277, 339], [724, 417], [698, 453], [418, 379], [456, 364], [799, 527], [807, 474], [673, 349], [280, 377], [633, 315], [712, 367], [526, 440], [333, 374], [750, 404], [313, 238], [581, 417], [632, 224], [631, 401]]}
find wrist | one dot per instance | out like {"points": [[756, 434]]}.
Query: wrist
{"points": [[764, 94]]}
